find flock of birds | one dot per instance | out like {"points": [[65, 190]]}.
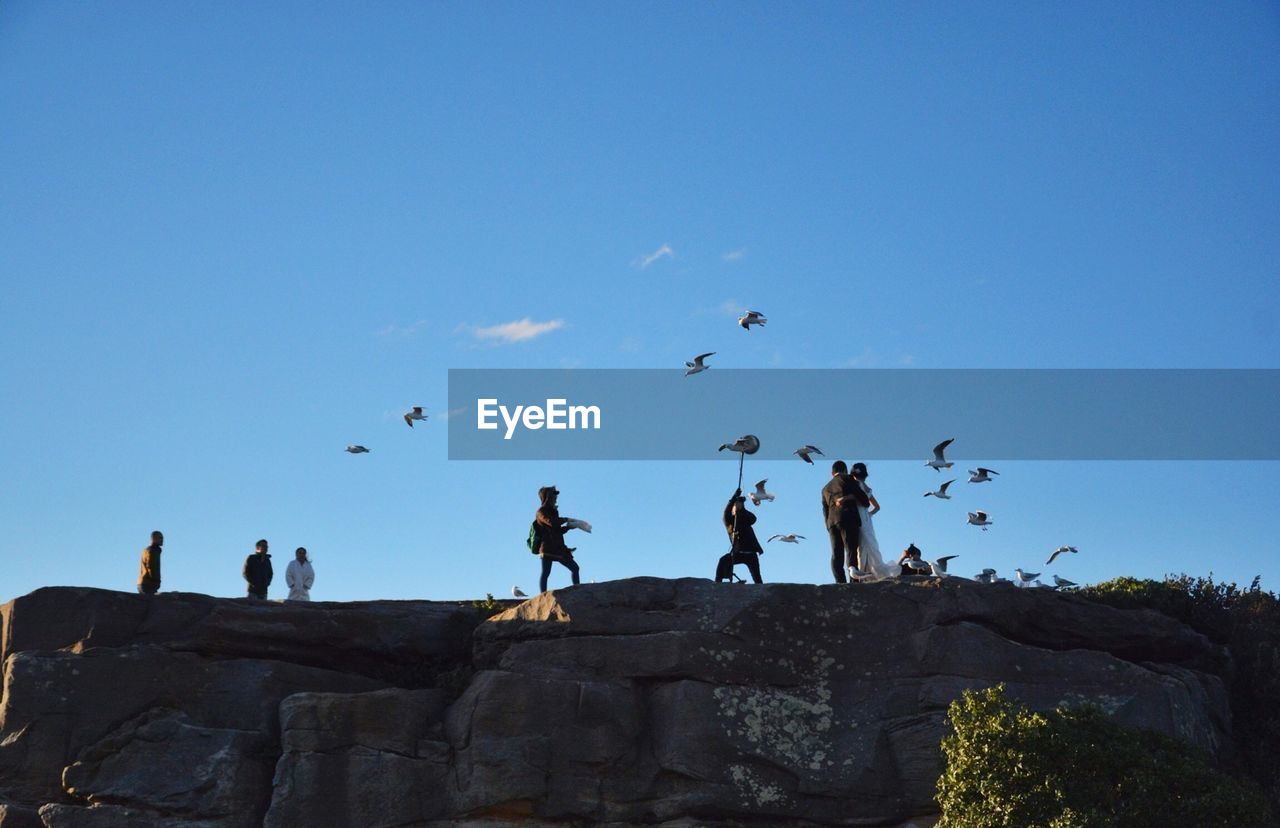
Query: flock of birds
{"points": [[936, 568]]}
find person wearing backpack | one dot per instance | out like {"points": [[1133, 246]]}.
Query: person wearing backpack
{"points": [[546, 537]]}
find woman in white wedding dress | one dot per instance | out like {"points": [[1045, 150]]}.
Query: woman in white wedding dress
{"points": [[874, 566]]}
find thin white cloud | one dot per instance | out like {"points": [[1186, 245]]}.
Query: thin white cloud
{"points": [[452, 412], [735, 255], [397, 332], [661, 252], [521, 330], [732, 307]]}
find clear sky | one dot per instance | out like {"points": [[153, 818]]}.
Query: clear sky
{"points": [[235, 237]]}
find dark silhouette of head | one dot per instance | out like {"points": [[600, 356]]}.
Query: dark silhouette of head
{"points": [[261, 546], [839, 467], [860, 471], [157, 538]]}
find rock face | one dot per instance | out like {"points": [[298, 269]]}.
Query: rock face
{"points": [[631, 702]]}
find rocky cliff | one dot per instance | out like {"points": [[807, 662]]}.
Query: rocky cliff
{"points": [[642, 701]]}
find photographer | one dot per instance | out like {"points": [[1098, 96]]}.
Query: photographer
{"points": [[745, 547]]}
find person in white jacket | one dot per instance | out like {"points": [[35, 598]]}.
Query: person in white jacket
{"points": [[299, 576]]}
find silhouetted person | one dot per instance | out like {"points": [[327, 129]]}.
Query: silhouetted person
{"points": [[149, 574], [257, 571], [840, 500], [912, 553], [299, 575], [551, 529], [744, 547]]}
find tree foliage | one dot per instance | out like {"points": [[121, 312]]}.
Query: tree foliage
{"points": [[1010, 767], [1247, 623]]}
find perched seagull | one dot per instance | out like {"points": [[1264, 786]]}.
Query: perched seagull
{"points": [[804, 451], [789, 538], [760, 494], [698, 366], [1058, 552], [415, 414], [986, 576], [941, 494], [856, 574], [979, 519], [741, 444], [981, 475], [356, 450], [751, 318], [575, 523], [1025, 578], [918, 566], [1063, 582], [939, 461], [517, 592]]}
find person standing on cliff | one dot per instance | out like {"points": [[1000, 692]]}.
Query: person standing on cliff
{"points": [[149, 575], [744, 546], [299, 576], [257, 571], [840, 500], [551, 528]]}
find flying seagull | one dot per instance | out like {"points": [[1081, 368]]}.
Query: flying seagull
{"points": [[1026, 578], [698, 366], [979, 519], [1063, 582], [356, 450], [517, 592], [789, 538], [415, 414], [760, 494], [939, 461], [981, 475], [941, 563], [941, 494], [1059, 551], [751, 318], [804, 451]]}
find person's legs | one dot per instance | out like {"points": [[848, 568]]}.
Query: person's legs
{"points": [[572, 566], [546, 572], [837, 553], [753, 564]]}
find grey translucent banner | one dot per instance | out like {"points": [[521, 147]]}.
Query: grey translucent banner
{"points": [[1016, 414]]}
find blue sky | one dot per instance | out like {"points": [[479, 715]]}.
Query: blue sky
{"points": [[237, 237]]}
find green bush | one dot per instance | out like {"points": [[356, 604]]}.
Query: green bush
{"points": [[1010, 767], [1247, 623]]}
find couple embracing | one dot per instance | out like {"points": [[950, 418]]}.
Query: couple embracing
{"points": [[847, 507]]}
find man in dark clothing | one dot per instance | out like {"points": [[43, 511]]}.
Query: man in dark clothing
{"points": [[551, 529], [840, 499], [257, 571], [149, 574], [745, 547]]}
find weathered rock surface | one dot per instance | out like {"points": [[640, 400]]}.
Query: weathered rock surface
{"points": [[644, 701]]}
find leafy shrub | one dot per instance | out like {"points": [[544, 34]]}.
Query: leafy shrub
{"points": [[1247, 622], [1010, 767]]}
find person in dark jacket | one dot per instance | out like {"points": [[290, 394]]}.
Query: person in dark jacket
{"points": [[840, 499], [257, 571], [551, 529], [149, 572], [744, 546]]}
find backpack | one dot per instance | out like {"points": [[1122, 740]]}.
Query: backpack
{"points": [[535, 538]]}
